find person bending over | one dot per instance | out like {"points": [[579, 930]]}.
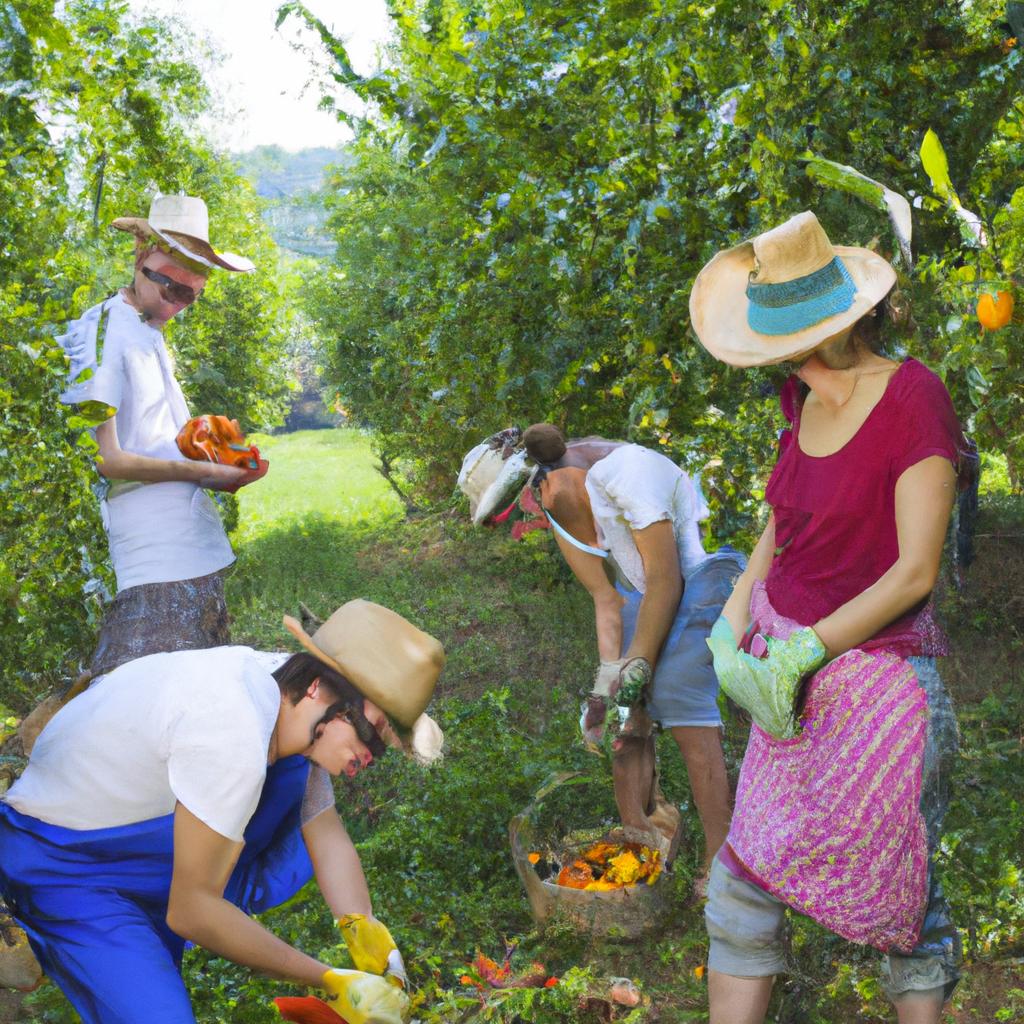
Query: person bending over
{"points": [[184, 791], [626, 519]]}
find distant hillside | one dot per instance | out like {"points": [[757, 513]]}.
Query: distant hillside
{"points": [[290, 182]]}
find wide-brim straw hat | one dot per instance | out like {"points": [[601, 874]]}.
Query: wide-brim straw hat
{"points": [[389, 660], [780, 295], [183, 224], [490, 481]]}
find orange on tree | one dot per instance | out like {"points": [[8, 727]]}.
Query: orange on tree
{"points": [[995, 311]]}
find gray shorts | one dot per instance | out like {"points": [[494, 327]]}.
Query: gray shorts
{"points": [[685, 689], [746, 925]]}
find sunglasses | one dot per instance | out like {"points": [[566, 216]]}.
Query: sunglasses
{"points": [[171, 290]]}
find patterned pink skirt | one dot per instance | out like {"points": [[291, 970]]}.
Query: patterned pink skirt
{"points": [[829, 822]]}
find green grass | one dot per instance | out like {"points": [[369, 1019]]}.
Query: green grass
{"points": [[325, 473], [323, 527]]}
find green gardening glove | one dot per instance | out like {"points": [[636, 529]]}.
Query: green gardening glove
{"points": [[766, 687]]}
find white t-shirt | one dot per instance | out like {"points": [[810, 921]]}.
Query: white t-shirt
{"points": [[189, 726], [633, 487], [157, 532]]}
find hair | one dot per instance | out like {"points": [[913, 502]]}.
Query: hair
{"points": [[544, 442], [890, 315], [300, 670]]}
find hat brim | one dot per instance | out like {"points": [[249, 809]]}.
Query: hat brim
{"points": [[196, 249], [513, 476], [719, 307]]}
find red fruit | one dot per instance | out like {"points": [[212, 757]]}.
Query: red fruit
{"points": [[307, 1010]]}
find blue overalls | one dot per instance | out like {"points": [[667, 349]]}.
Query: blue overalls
{"points": [[94, 902]]}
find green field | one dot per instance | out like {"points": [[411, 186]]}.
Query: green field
{"points": [[323, 527]]}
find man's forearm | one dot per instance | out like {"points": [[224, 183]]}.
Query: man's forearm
{"points": [[658, 608], [336, 864], [220, 927], [608, 622], [124, 465]]}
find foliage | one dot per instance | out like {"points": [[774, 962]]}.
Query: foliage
{"points": [[96, 114], [518, 631], [536, 187]]}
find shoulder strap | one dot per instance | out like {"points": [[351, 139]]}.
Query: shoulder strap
{"points": [[566, 535]]}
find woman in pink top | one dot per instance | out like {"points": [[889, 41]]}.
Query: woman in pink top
{"points": [[839, 799]]}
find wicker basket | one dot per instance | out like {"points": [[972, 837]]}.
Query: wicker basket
{"points": [[626, 913]]}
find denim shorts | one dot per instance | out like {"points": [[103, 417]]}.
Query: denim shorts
{"points": [[685, 689]]}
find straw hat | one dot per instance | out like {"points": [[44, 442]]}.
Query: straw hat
{"points": [[780, 295], [388, 660], [182, 222], [489, 480]]}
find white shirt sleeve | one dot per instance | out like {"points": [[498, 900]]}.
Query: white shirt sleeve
{"points": [[217, 759], [95, 343], [639, 483]]}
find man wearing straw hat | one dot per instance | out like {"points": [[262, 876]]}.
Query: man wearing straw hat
{"points": [[183, 791], [167, 544]]}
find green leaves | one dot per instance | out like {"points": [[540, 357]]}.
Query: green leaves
{"points": [[933, 159], [874, 193], [534, 194]]}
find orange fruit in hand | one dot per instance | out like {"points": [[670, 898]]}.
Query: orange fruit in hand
{"points": [[995, 311]]}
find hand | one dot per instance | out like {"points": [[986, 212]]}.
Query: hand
{"points": [[766, 687], [361, 998], [634, 679], [372, 947], [618, 684], [217, 476], [220, 477], [251, 475]]}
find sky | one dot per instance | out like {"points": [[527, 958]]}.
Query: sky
{"points": [[265, 91]]}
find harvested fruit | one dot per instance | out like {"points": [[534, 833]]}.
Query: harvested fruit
{"points": [[217, 439], [995, 311], [606, 866]]}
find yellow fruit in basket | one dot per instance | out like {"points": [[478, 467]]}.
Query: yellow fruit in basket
{"points": [[624, 869]]}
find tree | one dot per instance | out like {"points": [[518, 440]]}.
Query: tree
{"points": [[536, 188]]}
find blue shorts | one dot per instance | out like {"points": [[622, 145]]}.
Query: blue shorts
{"points": [[685, 689]]}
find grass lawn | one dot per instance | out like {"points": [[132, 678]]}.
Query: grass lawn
{"points": [[323, 527]]}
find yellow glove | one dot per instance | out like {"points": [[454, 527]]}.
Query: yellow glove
{"points": [[372, 947], [361, 998]]}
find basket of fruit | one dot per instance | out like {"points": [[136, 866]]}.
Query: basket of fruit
{"points": [[598, 878]]}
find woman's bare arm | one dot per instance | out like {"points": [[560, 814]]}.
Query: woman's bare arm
{"points": [[737, 608]]}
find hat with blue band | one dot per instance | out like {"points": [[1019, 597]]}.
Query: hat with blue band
{"points": [[782, 294]]}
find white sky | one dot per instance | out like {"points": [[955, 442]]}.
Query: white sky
{"points": [[266, 92]]}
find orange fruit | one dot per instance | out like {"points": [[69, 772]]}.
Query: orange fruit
{"points": [[995, 311]]}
